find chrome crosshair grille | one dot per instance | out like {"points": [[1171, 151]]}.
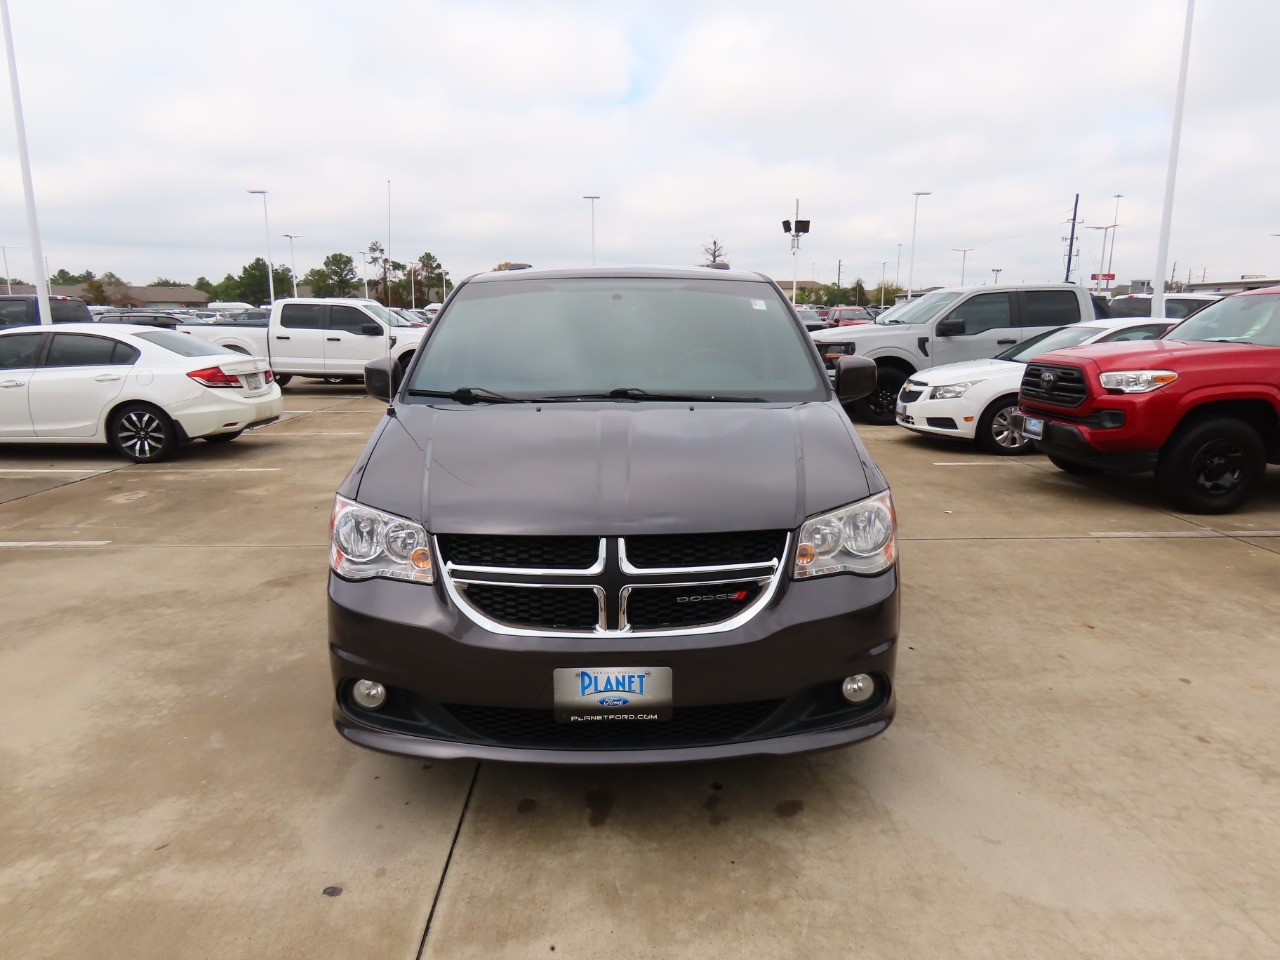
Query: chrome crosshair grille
{"points": [[613, 586]]}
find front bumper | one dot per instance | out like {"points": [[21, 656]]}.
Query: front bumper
{"points": [[457, 691], [1077, 443], [938, 418]]}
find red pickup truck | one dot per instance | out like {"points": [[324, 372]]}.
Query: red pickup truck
{"points": [[1200, 406]]}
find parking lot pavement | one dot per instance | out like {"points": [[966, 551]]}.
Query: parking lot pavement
{"points": [[1083, 764]]}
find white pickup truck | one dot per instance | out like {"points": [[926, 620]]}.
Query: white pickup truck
{"points": [[950, 325], [330, 339]]}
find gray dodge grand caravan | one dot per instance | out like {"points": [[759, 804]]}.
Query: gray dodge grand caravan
{"points": [[614, 516]]}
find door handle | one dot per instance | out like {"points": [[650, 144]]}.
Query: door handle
{"points": [[9, 384], [334, 339], [278, 337], [1001, 343], [106, 377]]}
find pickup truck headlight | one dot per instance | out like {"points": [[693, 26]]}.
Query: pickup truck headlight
{"points": [[858, 539], [1137, 381], [952, 391], [367, 543]]}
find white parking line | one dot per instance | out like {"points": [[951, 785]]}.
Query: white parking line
{"points": [[85, 472], [974, 463], [1155, 534], [54, 543], [212, 470], [279, 435]]}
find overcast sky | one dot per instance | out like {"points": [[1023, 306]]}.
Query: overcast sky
{"points": [[149, 120]]}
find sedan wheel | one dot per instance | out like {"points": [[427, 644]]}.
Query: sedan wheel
{"points": [[996, 432], [142, 433]]}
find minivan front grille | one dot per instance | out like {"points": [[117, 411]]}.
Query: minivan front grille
{"points": [[1059, 385], [613, 585]]}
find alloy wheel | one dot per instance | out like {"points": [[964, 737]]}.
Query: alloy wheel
{"points": [[141, 434]]}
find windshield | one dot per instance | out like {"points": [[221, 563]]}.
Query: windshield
{"points": [[389, 317], [588, 336], [1250, 318], [919, 310], [1071, 336]]}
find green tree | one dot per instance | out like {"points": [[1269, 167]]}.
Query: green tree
{"points": [[890, 293], [337, 278], [109, 279], [227, 289], [435, 278], [96, 293], [65, 278], [204, 285], [162, 282]]}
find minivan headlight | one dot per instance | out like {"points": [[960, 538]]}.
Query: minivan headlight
{"points": [[859, 538], [365, 543]]}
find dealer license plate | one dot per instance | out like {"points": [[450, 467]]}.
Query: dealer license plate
{"points": [[1033, 428], [902, 409], [253, 381], [612, 694]]}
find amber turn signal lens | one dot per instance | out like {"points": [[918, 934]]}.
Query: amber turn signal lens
{"points": [[421, 558], [806, 554]]}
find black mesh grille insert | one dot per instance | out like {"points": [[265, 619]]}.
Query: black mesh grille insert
{"points": [[1062, 386], [705, 550], [911, 392], [653, 608], [687, 726], [545, 553], [547, 608]]}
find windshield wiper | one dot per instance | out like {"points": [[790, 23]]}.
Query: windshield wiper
{"points": [[468, 395], [639, 393]]}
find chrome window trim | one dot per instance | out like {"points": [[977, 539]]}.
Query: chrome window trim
{"points": [[594, 570]]}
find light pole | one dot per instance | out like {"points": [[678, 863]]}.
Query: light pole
{"points": [[1115, 223], [8, 284], [1166, 216], [964, 252], [364, 272], [883, 264], [293, 264], [593, 199], [1097, 285], [995, 272], [271, 269], [911, 269], [897, 271], [20, 125]]}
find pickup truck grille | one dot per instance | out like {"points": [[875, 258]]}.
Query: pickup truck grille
{"points": [[1049, 383], [605, 586]]}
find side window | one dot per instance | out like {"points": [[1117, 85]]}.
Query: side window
{"points": [[986, 311], [13, 313], [301, 316], [83, 350], [346, 318], [19, 351], [1049, 308], [1148, 331]]}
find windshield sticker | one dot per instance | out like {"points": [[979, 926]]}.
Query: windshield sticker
{"points": [[758, 305]]}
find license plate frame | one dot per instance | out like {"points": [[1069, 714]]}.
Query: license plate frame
{"points": [[253, 381], [612, 694], [1033, 428]]}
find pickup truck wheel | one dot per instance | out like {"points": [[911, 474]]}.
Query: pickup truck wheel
{"points": [[282, 379], [1211, 465], [142, 433], [1070, 466], [879, 405], [996, 433]]}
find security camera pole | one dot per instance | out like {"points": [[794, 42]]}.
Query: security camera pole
{"points": [[800, 228]]}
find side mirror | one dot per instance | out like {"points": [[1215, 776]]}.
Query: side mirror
{"points": [[382, 378], [855, 378], [371, 329], [950, 327]]}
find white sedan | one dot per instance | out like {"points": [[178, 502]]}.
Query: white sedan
{"points": [[143, 390], [975, 399]]}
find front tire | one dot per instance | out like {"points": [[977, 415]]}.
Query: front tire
{"points": [[996, 433], [143, 433], [1211, 466], [879, 406]]}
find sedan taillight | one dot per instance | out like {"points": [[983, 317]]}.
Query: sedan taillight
{"points": [[215, 377]]}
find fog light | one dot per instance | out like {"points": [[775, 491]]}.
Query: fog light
{"points": [[856, 689], [371, 695]]}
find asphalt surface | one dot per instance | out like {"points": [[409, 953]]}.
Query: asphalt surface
{"points": [[1084, 763]]}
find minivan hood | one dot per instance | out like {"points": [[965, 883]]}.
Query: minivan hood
{"points": [[613, 469]]}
